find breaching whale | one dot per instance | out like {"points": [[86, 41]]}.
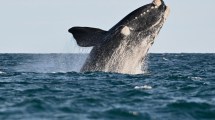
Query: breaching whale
{"points": [[124, 47]]}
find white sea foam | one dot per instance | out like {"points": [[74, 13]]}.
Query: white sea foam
{"points": [[2, 72], [196, 78], [165, 59], [134, 113], [147, 87]]}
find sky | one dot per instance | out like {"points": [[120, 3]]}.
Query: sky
{"points": [[40, 26]]}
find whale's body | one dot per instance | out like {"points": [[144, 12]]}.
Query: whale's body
{"points": [[123, 48]]}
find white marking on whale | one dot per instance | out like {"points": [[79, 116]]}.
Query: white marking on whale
{"points": [[125, 31]]}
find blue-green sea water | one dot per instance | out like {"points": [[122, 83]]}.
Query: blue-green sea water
{"points": [[48, 87]]}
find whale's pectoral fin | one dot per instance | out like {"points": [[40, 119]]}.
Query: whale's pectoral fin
{"points": [[87, 37]]}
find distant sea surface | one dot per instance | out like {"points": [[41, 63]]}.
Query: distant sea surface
{"points": [[49, 87]]}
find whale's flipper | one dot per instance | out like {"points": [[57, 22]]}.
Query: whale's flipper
{"points": [[87, 37]]}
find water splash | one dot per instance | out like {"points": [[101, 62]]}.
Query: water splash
{"points": [[53, 63], [71, 61]]}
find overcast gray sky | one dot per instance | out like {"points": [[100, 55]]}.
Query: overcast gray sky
{"points": [[40, 26]]}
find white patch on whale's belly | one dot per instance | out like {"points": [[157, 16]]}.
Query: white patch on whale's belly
{"points": [[133, 63], [128, 60]]}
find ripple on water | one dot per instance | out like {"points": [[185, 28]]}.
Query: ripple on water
{"points": [[204, 109], [121, 114], [33, 105], [181, 88]]}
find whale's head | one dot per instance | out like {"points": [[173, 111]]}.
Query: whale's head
{"points": [[148, 16], [146, 20]]}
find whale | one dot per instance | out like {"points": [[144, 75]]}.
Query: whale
{"points": [[124, 47]]}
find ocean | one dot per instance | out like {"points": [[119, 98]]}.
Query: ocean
{"points": [[49, 87]]}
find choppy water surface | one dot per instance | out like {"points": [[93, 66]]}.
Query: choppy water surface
{"points": [[175, 87]]}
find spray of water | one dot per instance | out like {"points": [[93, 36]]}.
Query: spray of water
{"points": [[52, 63], [55, 63]]}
